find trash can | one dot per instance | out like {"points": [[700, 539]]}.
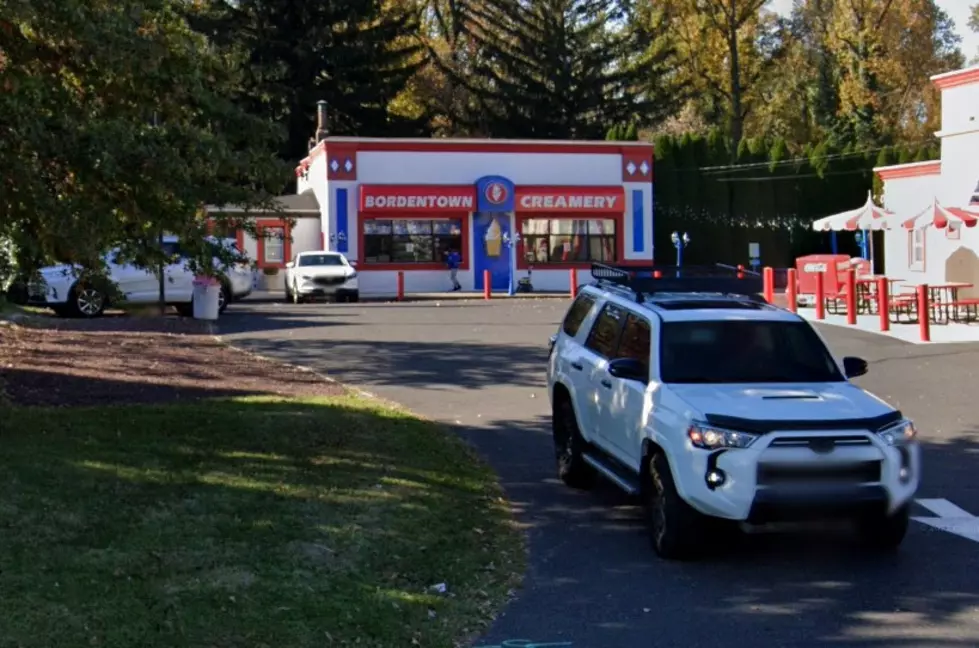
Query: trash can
{"points": [[207, 294]]}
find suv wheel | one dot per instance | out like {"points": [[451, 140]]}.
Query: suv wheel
{"points": [[86, 301], [675, 528], [224, 298], [884, 532], [569, 446]]}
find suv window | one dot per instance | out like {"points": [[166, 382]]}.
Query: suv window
{"points": [[744, 351], [604, 335], [577, 313], [636, 340]]}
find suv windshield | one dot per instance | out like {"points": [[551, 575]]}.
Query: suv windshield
{"points": [[744, 351], [320, 260]]}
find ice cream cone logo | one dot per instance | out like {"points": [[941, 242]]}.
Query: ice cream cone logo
{"points": [[496, 193], [494, 239]]}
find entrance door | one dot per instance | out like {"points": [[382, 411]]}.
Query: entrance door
{"points": [[490, 251]]}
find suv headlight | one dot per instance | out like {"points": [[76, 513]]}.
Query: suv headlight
{"points": [[898, 434], [709, 437], [352, 275]]}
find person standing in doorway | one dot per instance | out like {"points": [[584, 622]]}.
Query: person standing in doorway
{"points": [[452, 260]]}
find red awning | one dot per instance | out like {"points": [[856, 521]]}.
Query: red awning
{"points": [[939, 216]]}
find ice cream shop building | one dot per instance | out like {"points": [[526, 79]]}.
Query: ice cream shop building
{"points": [[399, 205]]}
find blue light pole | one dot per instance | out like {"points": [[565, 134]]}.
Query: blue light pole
{"points": [[510, 241], [680, 241]]}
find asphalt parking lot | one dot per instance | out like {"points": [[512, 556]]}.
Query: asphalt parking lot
{"points": [[594, 582]]}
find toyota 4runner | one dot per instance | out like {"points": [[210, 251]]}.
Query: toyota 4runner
{"points": [[718, 408]]}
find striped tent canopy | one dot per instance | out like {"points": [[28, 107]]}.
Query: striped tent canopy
{"points": [[867, 217], [940, 216]]}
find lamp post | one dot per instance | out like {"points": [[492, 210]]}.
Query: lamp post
{"points": [[336, 237], [680, 241], [510, 241]]}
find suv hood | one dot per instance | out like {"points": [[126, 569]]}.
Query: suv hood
{"points": [[784, 401]]}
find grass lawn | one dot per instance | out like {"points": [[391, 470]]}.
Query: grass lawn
{"points": [[251, 522]]}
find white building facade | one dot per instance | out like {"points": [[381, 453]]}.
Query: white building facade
{"points": [[399, 205], [945, 251]]}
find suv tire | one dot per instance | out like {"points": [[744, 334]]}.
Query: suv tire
{"points": [[85, 301], [569, 446], [676, 530], [884, 532]]}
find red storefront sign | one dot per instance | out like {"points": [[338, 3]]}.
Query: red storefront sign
{"points": [[570, 199], [417, 198]]}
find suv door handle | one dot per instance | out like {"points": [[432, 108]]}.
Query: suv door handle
{"points": [[606, 383], [577, 365]]}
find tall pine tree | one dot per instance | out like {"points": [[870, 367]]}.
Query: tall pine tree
{"points": [[554, 69], [357, 55]]}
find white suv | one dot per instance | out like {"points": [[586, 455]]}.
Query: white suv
{"points": [[718, 409], [61, 291]]}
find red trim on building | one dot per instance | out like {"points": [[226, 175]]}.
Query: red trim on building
{"points": [[913, 170], [462, 216], [550, 200], [322, 239], [637, 166], [956, 79], [391, 199], [619, 219], [260, 226], [240, 239], [341, 163]]}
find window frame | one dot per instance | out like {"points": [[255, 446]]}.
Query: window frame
{"points": [[618, 239], [648, 360], [438, 264], [581, 298], [913, 244], [618, 335], [260, 229]]}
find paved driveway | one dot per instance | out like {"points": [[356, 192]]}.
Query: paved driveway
{"points": [[594, 582]]}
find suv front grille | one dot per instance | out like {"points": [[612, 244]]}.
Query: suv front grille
{"points": [[328, 281], [834, 441], [860, 472]]}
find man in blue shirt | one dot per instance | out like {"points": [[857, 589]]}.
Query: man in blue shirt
{"points": [[452, 260]]}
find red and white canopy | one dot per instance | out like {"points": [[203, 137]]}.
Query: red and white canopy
{"points": [[867, 217], [940, 216]]}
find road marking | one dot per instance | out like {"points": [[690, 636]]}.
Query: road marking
{"points": [[951, 518]]}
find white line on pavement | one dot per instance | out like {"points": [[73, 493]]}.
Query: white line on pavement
{"points": [[951, 518]]}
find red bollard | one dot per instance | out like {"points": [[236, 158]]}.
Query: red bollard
{"points": [[790, 290], [768, 284], [883, 304], [401, 285], [574, 282], [851, 297], [740, 271], [657, 274], [924, 313], [487, 285], [820, 297]]}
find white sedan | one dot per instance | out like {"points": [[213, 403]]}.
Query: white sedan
{"points": [[62, 292], [321, 274]]}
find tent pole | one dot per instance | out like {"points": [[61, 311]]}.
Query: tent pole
{"points": [[832, 241]]}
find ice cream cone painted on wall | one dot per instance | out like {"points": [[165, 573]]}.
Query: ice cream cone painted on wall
{"points": [[494, 239]]}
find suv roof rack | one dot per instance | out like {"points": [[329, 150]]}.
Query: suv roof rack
{"points": [[714, 280]]}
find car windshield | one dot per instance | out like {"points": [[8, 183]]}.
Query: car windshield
{"points": [[744, 351], [321, 260]]}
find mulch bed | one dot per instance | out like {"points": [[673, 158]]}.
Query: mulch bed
{"points": [[148, 360]]}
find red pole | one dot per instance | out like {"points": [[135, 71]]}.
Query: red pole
{"points": [[883, 304], [401, 285], [820, 297], [574, 282], [740, 271], [657, 274], [851, 297], [768, 283], [790, 290], [487, 284], [924, 313]]}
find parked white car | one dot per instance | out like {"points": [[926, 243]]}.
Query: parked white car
{"points": [[62, 292], [321, 274]]}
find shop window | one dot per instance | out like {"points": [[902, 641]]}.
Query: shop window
{"points": [[565, 240], [953, 231], [411, 241], [916, 249]]}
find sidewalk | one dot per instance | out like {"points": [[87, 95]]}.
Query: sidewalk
{"points": [[266, 296]]}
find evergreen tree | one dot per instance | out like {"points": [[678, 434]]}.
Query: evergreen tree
{"points": [[357, 55], [557, 69]]}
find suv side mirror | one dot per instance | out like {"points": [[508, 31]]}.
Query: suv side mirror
{"points": [[290, 264], [628, 369], [854, 367]]}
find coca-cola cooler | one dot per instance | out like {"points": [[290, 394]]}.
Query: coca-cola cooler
{"points": [[832, 267]]}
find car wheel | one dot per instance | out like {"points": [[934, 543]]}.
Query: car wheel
{"points": [[569, 446], [224, 298], [86, 301], [675, 528], [884, 532], [296, 297]]}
